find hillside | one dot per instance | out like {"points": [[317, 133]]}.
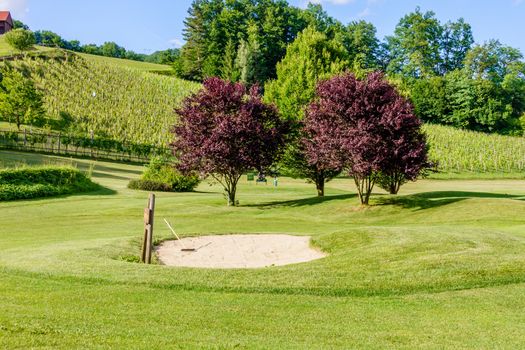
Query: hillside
{"points": [[120, 99], [6, 50], [120, 62], [114, 100], [468, 151]]}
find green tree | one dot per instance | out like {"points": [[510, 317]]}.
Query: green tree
{"points": [[492, 61], [229, 69], [111, 49], [250, 61], [19, 24], [456, 41], [294, 163], [362, 45], [415, 46], [202, 16], [214, 27], [20, 101], [429, 99], [316, 16], [20, 39], [311, 57], [48, 38], [91, 49]]}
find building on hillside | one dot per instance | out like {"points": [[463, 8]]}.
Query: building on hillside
{"points": [[6, 22]]}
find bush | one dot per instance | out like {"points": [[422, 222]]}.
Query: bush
{"points": [[20, 39], [149, 185], [161, 176], [29, 183]]}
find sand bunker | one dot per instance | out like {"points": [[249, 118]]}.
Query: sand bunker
{"points": [[238, 251]]}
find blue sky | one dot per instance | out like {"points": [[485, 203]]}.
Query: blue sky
{"points": [[146, 26]]}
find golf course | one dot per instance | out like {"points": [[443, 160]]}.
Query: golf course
{"points": [[262, 174], [440, 263]]}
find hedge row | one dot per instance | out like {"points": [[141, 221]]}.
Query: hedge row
{"points": [[29, 183]]}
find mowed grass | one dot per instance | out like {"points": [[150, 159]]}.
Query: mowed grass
{"points": [[442, 265]]}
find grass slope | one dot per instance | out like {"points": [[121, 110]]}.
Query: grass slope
{"points": [[7, 50], [463, 151], [440, 266], [114, 101], [120, 62]]}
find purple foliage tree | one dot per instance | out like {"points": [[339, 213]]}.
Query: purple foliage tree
{"points": [[224, 131], [366, 127]]}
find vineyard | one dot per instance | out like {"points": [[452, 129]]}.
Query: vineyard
{"points": [[133, 106], [468, 151], [120, 103]]}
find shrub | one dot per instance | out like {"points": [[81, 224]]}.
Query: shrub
{"points": [[160, 175], [149, 185], [29, 183], [20, 39]]}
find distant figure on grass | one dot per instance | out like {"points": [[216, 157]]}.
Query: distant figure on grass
{"points": [[225, 131], [366, 127]]}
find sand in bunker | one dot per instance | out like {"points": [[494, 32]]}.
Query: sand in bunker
{"points": [[238, 251]]}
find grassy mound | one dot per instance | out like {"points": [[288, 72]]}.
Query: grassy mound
{"points": [[29, 183]]}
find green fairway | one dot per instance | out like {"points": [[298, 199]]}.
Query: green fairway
{"points": [[442, 265]]}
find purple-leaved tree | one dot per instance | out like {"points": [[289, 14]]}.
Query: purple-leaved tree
{"points": [[225, 131], [366, 127]]}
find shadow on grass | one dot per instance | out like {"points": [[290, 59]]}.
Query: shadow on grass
{"points": [[99, 191], [302, 202], [97, 174], [428, 200]]}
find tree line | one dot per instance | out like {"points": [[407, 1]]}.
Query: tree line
{"points": [[107, 49], [449, 78]]}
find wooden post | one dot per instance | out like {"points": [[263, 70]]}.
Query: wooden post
{"points": [[147, 243]]}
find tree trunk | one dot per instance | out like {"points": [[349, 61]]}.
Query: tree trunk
{"points": [[395, 183], [230, 186], [364, 188], [231, 197], [319, 184], [393, 189]]}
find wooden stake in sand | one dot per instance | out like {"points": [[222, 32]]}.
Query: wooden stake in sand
{"points": [[184, 249]]}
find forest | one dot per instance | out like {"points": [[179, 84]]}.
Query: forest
{"points": [[450, 78]]}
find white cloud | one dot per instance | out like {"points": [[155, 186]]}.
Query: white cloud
{"points": [[17, 7], [176, 42], [517, 2]]}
